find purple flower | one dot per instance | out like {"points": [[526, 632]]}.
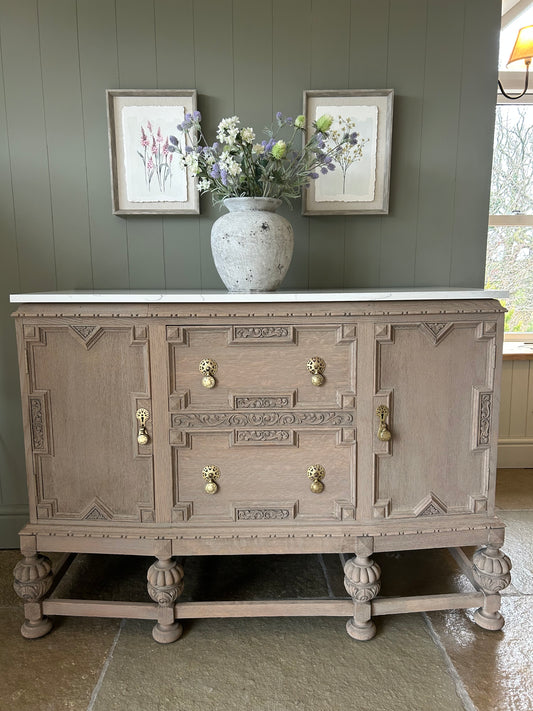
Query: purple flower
{"points": [[197, 116], [353, 138], [215, 171], [188, 117], [268, 146], [313, 175], [224, 176], [279, 116], [188, 149], [331, 166], [289, 120], [173, 140], [324, 170]]}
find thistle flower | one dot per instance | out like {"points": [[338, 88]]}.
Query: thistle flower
{"points": [[279, 150], [323, 123], [299, 121]]}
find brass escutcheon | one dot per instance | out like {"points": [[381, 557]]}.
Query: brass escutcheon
{"points": [[210, 474], [316, 473], [142, 435], [208, 368], [316, 366], [384, 434]]}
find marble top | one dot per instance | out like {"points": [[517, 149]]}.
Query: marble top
{"points": [[219, 297]]}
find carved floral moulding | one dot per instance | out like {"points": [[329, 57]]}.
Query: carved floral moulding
{"points": [[270, 419]]}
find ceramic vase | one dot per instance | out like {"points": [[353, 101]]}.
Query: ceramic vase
{"points": [[252, 245]]}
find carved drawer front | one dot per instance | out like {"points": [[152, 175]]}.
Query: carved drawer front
{"points": [[241, 363], [437, 381], [263, 476], [85, 384]]}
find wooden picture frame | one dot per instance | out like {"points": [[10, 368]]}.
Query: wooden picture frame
{"points": [[360, 183], [144, 181]]}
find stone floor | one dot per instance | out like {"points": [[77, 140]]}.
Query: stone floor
{"points": [[418, 662]]}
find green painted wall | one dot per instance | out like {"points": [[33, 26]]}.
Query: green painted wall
{"points": [[252, 58]]}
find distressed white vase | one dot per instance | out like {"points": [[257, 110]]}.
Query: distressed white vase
{"points": [[252, 245]]}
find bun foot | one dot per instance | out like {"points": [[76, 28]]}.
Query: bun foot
{"points": [[362, 632], [165, 634], [34, 630], [489, 621]]}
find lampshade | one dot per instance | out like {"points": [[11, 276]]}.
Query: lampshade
{"points": [[523, 47]]}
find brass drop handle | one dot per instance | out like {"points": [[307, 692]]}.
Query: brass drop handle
{"points": [[316, 366], [211, 473], [316, 473], [384, 434], [208, 368], [142, 435]]}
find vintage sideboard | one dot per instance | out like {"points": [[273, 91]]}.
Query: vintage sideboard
{"points": [[194, 423]]}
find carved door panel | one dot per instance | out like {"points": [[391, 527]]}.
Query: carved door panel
{"points": [[83, 388], [437, 381], [261, 367], [262, 475]]}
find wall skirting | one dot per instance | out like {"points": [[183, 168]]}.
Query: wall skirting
{"points": [[515, 453]]}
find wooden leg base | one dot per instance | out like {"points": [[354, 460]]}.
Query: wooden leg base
{"points": [[362, 632], [165, 634], [489, 620], [34, 630]]}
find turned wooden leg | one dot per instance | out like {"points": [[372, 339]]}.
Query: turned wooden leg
{"points": [[362, 582], [165, 585], [33, 579], [491, 571]]}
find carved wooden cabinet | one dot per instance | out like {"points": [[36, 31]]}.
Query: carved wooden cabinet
{"points": [[218, 424]]}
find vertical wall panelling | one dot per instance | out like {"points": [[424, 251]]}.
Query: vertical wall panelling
{"points": [[174, 47], [66, 145], [137, 70], [405, 74], [519, 398], [329, 70], [13, 512], [438, 154], [19, 34], [213, 51], [291, 72], [474, 155], [98, 72], [369, 33]]}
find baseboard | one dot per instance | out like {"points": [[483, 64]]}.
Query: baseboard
{"points": [[12, 519], [516, 453]]}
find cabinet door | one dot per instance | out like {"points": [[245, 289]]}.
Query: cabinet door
{"points": [[83, 386], [437, 380]]}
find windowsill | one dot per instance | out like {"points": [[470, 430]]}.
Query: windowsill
{"points": [[518, 350]]}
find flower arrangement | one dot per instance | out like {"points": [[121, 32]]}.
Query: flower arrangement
{"points": [[235, 165]]}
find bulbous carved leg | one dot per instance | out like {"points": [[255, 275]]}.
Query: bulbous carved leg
{"points": [[362, 582], [491, 571], [165, 585], [33, 579]]}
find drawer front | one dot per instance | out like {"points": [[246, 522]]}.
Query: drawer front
{"points": [[261, 367], [264, 475]]}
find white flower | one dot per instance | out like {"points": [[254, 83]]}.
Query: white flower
{"points": [[248, 135], [228, 130], [191, 161], [203, 185], [257, 148], [226, 161]]}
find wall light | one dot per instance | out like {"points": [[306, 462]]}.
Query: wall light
{"points": [[523, 49]]}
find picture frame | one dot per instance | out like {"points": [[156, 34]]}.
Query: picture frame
{"points": [[360, 183], [144, 180]]}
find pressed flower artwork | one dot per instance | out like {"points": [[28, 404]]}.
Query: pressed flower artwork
{"points": [[360, 182], [146, 178], [151, 174], [355, 177]]}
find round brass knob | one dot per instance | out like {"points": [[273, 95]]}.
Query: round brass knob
{"points": [[316, 366], [208, 368], [316, 473], [210, 474], [142, 438]]}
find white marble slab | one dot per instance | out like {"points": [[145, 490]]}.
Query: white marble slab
{"points": [[219, 297]]}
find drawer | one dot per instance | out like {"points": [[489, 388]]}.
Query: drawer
{"points": [[248, 366], [263, 475]]}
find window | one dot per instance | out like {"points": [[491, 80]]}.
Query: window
{"points": [[509, 262]]}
